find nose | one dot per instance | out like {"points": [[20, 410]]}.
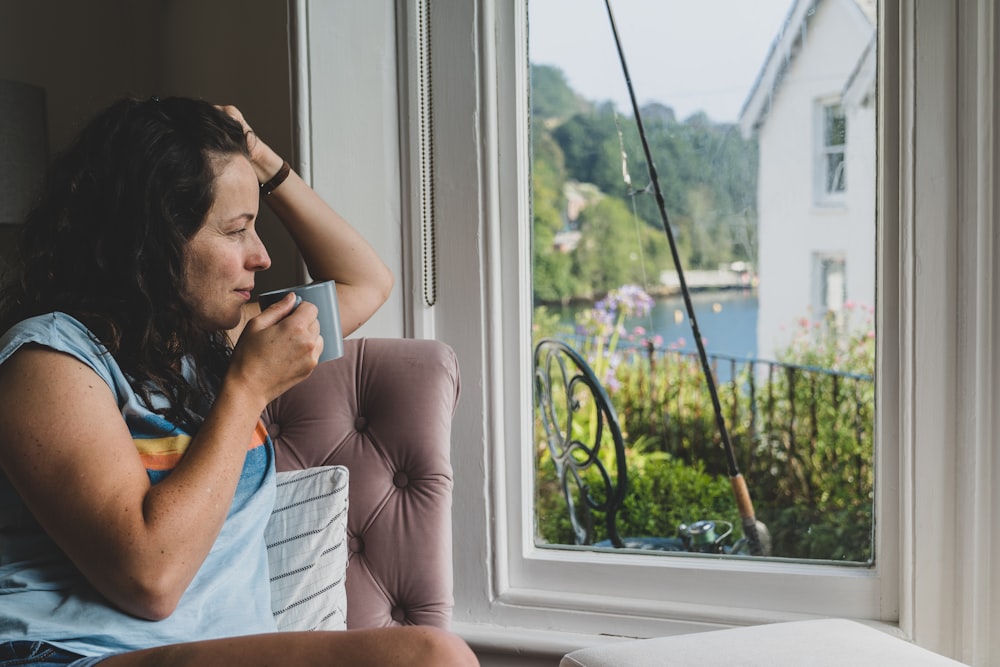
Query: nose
{"points": [[258, 259]]}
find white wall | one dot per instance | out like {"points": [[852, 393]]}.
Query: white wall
{"points": [[792, 227], [353, 145]]}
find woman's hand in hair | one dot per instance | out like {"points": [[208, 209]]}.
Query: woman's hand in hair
{"points": [[265, 161]]}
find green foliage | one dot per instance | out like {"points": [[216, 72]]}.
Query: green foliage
{"points": [[707, 173], [608, 253], [663, 493], [553, 270], [802, 431], [551, 95], [823, 501]]}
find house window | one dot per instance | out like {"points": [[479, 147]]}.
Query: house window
{"points": [[830, 286], [832, 164]]}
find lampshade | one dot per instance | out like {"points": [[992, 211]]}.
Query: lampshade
{"points": [[23, 148]]}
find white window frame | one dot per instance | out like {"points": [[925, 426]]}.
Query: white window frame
{"points": [[938, 581], [669, 592]]}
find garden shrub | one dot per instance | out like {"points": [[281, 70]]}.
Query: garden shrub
{"points": [[801, 429]]}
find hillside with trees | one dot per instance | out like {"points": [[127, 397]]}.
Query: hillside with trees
{"points": [[596, 223]]}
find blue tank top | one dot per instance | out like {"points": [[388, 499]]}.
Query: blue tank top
{"points": [[43, 596]]}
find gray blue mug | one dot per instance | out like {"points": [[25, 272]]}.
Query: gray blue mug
{"points": [[323, 295]]}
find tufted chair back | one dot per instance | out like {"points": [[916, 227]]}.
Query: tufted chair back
{"points": [[384, 410]]}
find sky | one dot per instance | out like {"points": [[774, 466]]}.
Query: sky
{"points": [[688, 54]]}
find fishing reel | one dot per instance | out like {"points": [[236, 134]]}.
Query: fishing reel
{"points": [[709, 537], [706, 536]]}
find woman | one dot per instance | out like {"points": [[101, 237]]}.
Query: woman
{"points": [[136, 478]]}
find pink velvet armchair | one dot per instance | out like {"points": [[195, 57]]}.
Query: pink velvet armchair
{"points": [[384, 410]]}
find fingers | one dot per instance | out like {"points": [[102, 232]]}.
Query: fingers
{"points": [[235, 114], [265, 161], [292, 318], [278, 348], [277, 311]]}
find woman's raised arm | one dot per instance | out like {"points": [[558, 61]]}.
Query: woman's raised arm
{"points": [[331, 247]]}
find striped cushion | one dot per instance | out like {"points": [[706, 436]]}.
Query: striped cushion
{"points": [[307, 549]]}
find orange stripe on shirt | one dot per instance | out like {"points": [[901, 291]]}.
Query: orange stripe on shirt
{"points": [[162, 453], [259, 435], [166, 453]]}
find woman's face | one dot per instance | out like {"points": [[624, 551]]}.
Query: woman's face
{"points": [[220, 260]]}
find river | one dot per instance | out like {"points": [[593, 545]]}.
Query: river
{"points": [[727, 321]]}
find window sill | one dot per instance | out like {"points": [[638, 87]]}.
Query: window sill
{"points": [[830, 208]]}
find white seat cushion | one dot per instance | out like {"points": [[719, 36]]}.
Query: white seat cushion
{"points": [[821, 643]]}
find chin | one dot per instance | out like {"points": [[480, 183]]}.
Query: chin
{"points": [[230, 323], [220, 323]]}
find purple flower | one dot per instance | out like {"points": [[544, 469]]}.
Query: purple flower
{"points": [[632, 300]]}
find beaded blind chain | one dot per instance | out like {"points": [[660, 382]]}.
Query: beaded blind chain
{"points": [[427, 208]]}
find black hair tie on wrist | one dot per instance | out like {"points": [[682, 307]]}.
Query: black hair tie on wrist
{"points": [[279, 178]]}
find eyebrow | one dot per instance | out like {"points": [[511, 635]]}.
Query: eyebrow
{"points": [[240, 217]]}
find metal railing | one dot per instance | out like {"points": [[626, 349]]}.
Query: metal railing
{"points": [[803, 434]]}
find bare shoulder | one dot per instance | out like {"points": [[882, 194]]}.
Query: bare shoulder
{"points": [[36, 375], [55, 408]]}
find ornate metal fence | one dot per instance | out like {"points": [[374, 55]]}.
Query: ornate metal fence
{"points": [[803, 437]]}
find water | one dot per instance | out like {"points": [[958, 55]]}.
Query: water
{"points": [[727, 321]]}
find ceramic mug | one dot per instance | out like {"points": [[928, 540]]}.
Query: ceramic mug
{"points": [[323, 295]]}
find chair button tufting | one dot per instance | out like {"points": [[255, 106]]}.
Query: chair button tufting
{"points": [[356, 545], [398, 614], [273, 430], [400, 479], [360, 424]]}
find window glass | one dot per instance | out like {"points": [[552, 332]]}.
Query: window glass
{"points": [[631, 450], [832, 149]]}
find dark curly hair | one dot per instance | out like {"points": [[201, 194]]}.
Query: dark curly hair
{"points": [[106, 243]]}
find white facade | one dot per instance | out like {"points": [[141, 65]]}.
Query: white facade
{"points": [[816, 251]]}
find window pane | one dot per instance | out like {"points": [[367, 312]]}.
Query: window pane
{"points": [[835, 172], [782, 291], [835, 126]]}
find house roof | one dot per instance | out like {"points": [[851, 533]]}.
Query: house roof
{"points": [[786, 46]]}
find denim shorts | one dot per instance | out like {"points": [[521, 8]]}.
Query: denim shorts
{"points": [[40, 654]]}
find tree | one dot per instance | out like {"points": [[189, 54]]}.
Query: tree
{"points": [[551, 95], [706, 172]]}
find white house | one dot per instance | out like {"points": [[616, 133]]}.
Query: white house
{"points": [[812, 108]]}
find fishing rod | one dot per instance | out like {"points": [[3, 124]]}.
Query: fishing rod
{"points": [[740, 492]]}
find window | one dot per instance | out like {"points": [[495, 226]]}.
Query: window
{"points": [[830, 285], [796, 419], [832, 146], [937, 417]]}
